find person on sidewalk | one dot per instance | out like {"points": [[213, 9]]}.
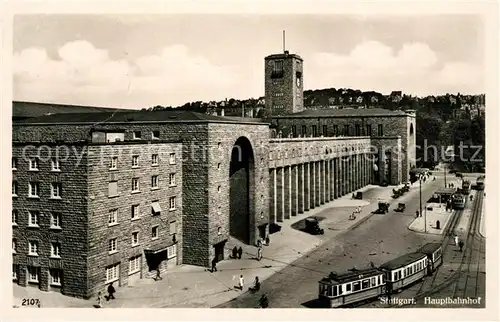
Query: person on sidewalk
{"points": [[456, 240], [111, 292], [99, 300], [417, 214], [241, 283], [461, 245], [158, 274], [240, 252], [263, 302], [259, 253], [214, 265], [235, 252], [256, 285]]}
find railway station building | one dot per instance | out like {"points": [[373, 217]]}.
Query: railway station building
{"points": [[106, 196]]}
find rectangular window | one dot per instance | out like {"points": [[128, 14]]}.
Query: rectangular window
{"points": [[358, 129], [356, 286], [113, 189], [368, 130], [135, 184], [134, 264], [380, 130], [113, 217], [112, 273], [55, 277], [154, 181], [304, 130], [172, 203], [154, 159], [136, 135], [278, 66], [33, 274], [154, 232], [114, 163], [55, 220], [113, 245], [14, 245], [33, 217], [173, 228], [135, 238], [14, 188], [14, 163], [135, 212], [135, 161], [14, 272], [155, 135], [325, 130], [294, 131], [171, 179], [348, 287], [55, 190], [34, 188], [33, 248], [55, 250], [314, 131], [172, 251], [172, 158], [34, 163], [55, 165], [155, 208], [14, 216], [365, 284], [335, 130], [346, 130]]}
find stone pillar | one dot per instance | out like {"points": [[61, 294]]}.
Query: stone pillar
{"points": [[322, 186], [354, 173], [295, 190], [307, 186], [342, 177], [312, 204], [300, 188], [356, 166], [348, 174], [327, 181], [329, 196], [280, 209], [336, 177], [332, 179], [287, 193], [273, 206], [317, 166]]}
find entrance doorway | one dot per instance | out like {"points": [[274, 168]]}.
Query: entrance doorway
{"points": [[262, 231], [219, 251]]}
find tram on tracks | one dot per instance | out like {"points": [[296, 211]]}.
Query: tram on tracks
{"points": [[480, 183], [404, 271], [465, 187], [352, 287], [434, 252], [458, 201]]}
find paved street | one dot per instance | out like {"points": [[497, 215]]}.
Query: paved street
{"points": [[380, 238]]}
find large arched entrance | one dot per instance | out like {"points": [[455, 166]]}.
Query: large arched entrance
{"points": [[241, 186]]}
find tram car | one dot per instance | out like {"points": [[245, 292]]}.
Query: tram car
{"points": [[480, 183], [352, 287], [434, 252], [404, 271], [466, 187], [458, 201]]}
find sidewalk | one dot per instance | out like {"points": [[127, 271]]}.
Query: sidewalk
{"points": [[193, 286], [438, 212]]}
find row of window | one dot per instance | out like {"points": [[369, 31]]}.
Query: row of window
{"points": [[34, 248], [34, 219], [409, 270], [336, 132], [34, 190], [155, 233], [34, 163], [135, 211], [134, 265], [33, 275], [335, 290], [155, 184]]}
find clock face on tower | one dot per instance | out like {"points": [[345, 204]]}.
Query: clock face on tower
{"points": [[298, 82]]}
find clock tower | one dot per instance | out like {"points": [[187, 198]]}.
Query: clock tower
{"points": [[284, 83]]}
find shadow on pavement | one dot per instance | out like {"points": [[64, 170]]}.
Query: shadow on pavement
{"points": [[313, 304]]}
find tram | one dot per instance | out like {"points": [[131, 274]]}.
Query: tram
{"points": [[359, 285], [458, 201], [466, 187], [480, 183], [403, 271], [434, 252]]}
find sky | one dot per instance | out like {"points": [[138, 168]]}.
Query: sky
{"points": [[137, 61]]}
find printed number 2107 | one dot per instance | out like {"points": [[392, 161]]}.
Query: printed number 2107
{"points": [[30, 302]]}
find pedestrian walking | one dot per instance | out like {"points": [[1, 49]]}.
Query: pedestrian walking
{"points": [[461, 245], [240, 252], [214, 265], [99, 300], [241, 283], [256, 285], [259, 253], [111, 292], [259, 242], [456, 240], [158, 274], [263, 301]]}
